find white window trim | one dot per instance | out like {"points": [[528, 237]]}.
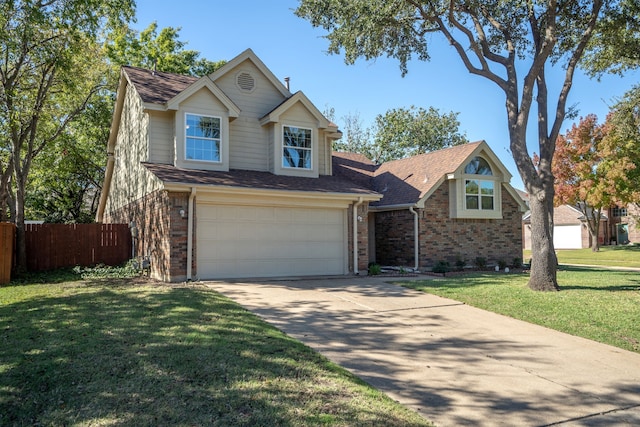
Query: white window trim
{"points": [[479, 195], [220, 139], [310, 149]]}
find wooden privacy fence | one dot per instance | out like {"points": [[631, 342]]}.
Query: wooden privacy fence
{"points": [[7, 238], [51, 246]]}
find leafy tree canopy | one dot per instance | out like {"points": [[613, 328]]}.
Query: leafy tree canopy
{"points": [[163, 51]]}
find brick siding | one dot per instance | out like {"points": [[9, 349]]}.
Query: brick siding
{"points": [[446, 239], [162, 232]]}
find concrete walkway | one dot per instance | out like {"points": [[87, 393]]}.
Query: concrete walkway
{"points": [[455, 364]]}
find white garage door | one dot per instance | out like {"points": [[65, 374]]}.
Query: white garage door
{"points": [[567, 237], [255, 241]]}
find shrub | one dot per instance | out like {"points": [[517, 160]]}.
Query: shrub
{"points": [[374, 269], [502, 264], [441, 267], [460, 263], [481, 263], [517, 262]]}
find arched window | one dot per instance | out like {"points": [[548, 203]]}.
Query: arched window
{"points": [[478, 166]]}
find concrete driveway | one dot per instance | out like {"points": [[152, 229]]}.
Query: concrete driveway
{"points": [[455, 364]]}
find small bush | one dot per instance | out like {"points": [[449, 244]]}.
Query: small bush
{"points": [[517, 262], [502, 264], [374, 269], [441, 267], [481, 263], [125, 271], [460, 263]]}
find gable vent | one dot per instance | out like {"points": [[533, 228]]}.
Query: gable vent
{"points": [[245, 81]]}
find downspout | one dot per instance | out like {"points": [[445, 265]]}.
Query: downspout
{"points": [[416, 244], [190, 234], [355, 235]]}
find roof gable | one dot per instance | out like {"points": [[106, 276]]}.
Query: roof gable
{"points": [[274, 115], [204, 82], [249, 55]]}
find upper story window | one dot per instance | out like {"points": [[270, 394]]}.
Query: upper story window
{"points": [[479, 194], [619, 212], [296, 147], [202, 136], [478, 166]]}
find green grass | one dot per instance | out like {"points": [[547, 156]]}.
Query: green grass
{"points": [[111, 352], [613, 256], [600, 305]]}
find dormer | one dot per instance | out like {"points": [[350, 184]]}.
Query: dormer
{"points": [[475, 188], [298, 137], [201, 122]]}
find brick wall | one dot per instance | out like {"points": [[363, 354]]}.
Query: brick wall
{"points": [[162, 232], [363, 238], [444, 238], [394, 238]]}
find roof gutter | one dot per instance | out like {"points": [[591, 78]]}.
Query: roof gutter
{"points": [[416, 243], [355, 234], [190, 234]]}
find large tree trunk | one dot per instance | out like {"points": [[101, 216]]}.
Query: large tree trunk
{"points": [[544, 262]]}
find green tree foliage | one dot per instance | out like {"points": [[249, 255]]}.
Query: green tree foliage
{"points": [[621, 148], [615, 47], [580, 182], [400, 133], [508, 43], [163, 51], [50, 67], [405, 132]]}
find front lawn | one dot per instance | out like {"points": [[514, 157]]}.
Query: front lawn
{"points": [[613, 256], [600, 305], [106, 352]]}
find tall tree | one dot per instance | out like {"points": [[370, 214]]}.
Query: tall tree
{"points": [[496, 40], [621, 148], [163, 51], [356, 137], [50, 66], [405, 132], [580, 182]]}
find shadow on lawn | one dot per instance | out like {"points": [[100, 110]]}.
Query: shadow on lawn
{"points": [[152, 356]]}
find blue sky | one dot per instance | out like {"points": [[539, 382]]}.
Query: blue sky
{"points": [[291, 47]]}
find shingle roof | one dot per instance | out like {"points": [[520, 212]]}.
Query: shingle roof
{"points": [[254, 179], [407, 180], [157, 87]]}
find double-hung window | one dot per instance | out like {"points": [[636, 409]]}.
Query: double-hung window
{"points": [[479, 194], [202, 138], [296, 147]]}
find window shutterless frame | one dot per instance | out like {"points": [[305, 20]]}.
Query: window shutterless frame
{"points": [[297, 147], [202, 138]]}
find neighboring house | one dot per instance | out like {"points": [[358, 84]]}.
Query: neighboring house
{"points": [[623, 224], [450, 204], [232, 175], [570, 229]]}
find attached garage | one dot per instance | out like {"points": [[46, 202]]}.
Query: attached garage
{"points": [[567, 236], [236, 241]]}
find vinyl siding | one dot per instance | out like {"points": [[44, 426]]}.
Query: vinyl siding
{"points": [[249, 141], [131, 181], [161, 136]]}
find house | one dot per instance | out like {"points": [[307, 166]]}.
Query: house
{"points": [[570, 229], [623, 224], [448, 205], [231, 175]]}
